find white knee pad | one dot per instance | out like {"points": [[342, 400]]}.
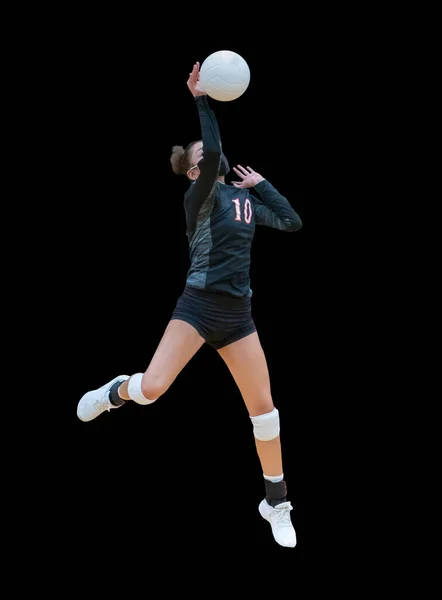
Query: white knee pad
{"points": [[134, 390], [266, 427]]}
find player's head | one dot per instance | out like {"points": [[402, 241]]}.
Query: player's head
{"points": [[185, 160]]}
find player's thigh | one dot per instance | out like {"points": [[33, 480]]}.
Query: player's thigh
{"points": [[179, 344], [247, 363]]}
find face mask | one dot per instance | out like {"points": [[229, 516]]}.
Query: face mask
{"points": [[224, 166]]}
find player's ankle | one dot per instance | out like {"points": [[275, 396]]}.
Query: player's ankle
{"points": [[276, 493], [114, 397]]}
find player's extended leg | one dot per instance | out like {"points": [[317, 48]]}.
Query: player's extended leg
{"points": [[178, 345], [246, 362]]}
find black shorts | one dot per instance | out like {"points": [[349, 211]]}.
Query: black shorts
{"points": [[220, 320]]}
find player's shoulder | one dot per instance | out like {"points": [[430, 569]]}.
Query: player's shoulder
{"points": [[226, 188], [250, 193]]}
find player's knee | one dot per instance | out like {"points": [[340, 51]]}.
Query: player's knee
{"points": [[262, 403], [266, 426], [153, 386], [140, 390]]}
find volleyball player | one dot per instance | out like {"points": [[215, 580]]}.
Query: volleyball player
{"points": [[215, 305]]}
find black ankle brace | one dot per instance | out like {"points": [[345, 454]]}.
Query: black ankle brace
{"points": [[275, 492], [114, 398]]}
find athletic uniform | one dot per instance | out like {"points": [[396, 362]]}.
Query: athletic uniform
{"points": [[221, 222]]}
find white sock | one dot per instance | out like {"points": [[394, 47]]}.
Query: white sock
{"points": [[274, 478]]}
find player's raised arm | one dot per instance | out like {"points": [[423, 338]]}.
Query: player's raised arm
{"points": [[207, 157]]}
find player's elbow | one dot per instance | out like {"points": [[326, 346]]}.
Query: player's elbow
{"points": [[210, 160], [294, 224], [212, 155]]}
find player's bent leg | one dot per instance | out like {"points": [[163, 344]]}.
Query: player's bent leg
{"points": [[178, 345], [246, 361]]}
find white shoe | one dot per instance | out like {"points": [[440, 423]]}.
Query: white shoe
{"points": [[279, 518], [95, 402]]}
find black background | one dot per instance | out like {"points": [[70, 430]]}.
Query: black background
{"points": [[174, 487], [183, 473]]}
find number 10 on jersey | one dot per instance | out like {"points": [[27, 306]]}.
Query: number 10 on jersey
{"points": [[247, 210]]}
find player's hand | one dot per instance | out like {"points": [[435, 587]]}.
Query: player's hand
{"points": [[249, 177], [193, 83]]}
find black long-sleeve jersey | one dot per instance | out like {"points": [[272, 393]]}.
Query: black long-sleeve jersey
{"points": [[221, 219]]}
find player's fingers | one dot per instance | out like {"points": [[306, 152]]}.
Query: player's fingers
{"points": [[238, 172], [251, 171], [244, 172]]}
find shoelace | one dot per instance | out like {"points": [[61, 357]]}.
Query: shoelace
{"points": [[102, 403], [282, 516]]}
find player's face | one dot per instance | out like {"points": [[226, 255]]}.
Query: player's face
{"points": [[195, 156], [197, 153]]}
